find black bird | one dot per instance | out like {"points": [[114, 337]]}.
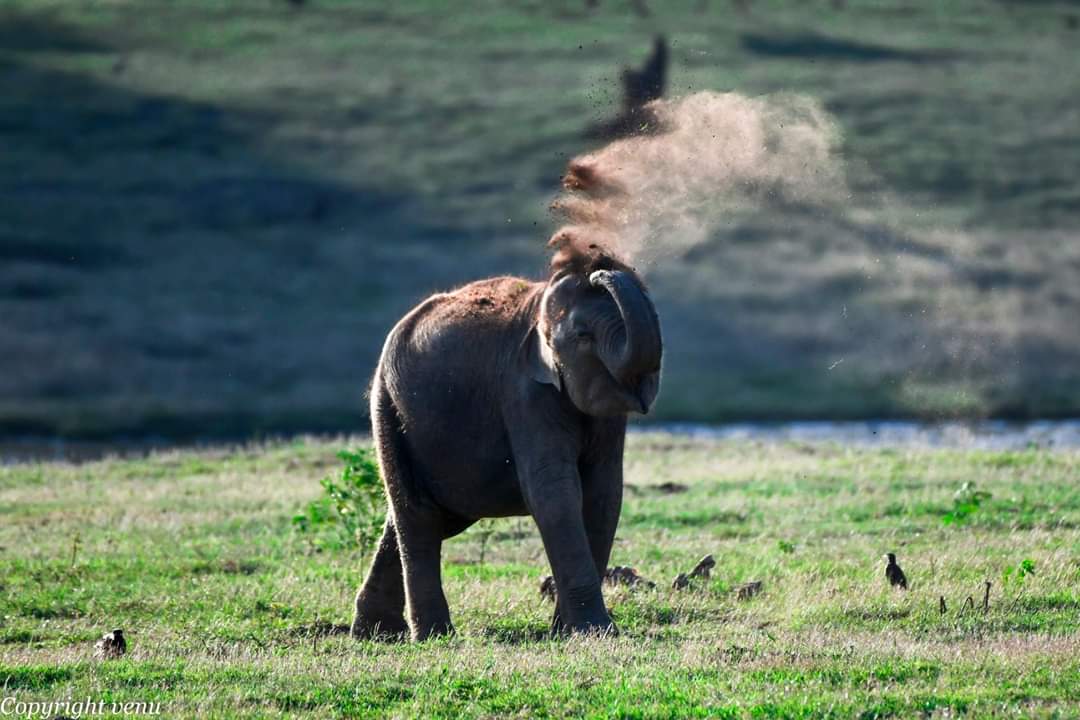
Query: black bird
{"points": [[894, 574], [547, 588], [111, 645], [704, 567]]}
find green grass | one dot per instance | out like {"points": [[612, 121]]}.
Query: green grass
{"points": [[211, 213], [228, 608]]}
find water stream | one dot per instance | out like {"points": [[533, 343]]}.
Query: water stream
{"points": [[983, 434]]}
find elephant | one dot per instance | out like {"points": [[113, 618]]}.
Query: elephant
{"points": [[508, 397]]}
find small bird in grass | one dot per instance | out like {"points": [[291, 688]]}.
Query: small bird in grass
{"points": [[894, 574], [547, 588], [111, 645], [704, 567], [623, 575], [748, 590]]}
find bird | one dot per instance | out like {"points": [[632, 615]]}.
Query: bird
{"points": [[111, 645], [547, 588], [624, 575], [704, 566], [894, 574], [748, 590]]}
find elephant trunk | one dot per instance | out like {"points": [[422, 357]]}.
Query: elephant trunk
{"points": [[638, 348]]}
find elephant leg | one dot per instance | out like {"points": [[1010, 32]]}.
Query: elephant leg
{"points": [[601, 505], [380, 603], [602, 491], [418, 526], [421, 557], [553, 494], [558, 627]]}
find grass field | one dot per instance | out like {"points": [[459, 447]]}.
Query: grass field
{"points": [[229, 611], [211, 212]]}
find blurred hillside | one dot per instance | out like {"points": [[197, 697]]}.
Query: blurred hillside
{"points": [[212, 212]]}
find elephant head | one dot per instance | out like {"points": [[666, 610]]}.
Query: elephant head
{"points": [[598, 339]]}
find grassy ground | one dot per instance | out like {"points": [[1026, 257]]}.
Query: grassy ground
{"points": [[227, 608], [211, 213]]}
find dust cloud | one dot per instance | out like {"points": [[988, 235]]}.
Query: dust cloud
{"points": [[705, 155]]}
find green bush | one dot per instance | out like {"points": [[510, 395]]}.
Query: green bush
{"points": [[352, 510], [965, 502], [1015, 575]]}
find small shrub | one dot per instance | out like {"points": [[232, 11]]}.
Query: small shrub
{"points": [[1014, 575], [353, 508], [965, 502], [484, 530]]}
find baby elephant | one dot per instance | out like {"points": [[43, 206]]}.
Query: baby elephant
{"points": [[508, 397]]}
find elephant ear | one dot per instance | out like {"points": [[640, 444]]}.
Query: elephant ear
{"points": [[540, 361]]}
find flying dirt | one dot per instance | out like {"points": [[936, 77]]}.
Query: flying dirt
{"points": [[711, 153]]}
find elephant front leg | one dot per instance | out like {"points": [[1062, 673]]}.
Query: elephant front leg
{"points": [[602, 491], [553, 493]]}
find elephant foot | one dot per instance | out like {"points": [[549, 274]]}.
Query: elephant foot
{"points": [[592, 618], [558, 627], [391, 629], [427, 631], [601, 628], [607, 628]]}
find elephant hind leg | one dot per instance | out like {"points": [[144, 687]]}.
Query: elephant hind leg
{"points": [[419, 526], [427, 609], [380, 603]]}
